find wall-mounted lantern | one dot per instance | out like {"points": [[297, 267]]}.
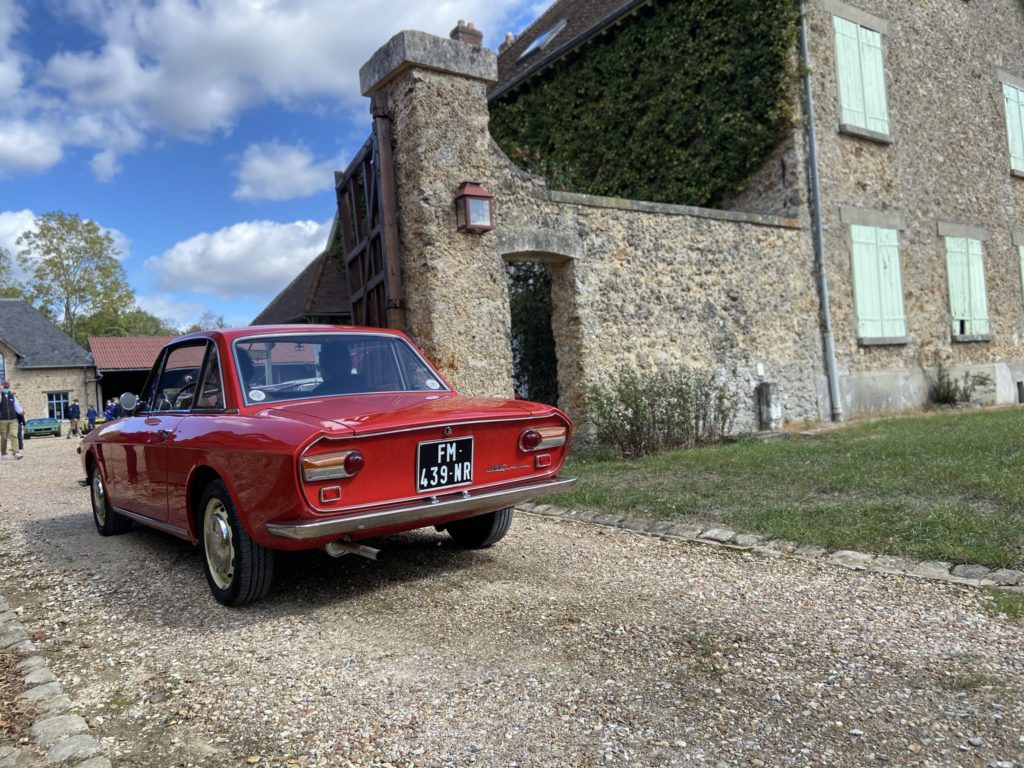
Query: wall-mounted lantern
{"points": [[474, 208]]}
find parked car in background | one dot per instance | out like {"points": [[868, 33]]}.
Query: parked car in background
{"points": [[260, 439], [42, 428]]}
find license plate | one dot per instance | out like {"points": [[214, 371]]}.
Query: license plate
{"points": [[444, 464]]}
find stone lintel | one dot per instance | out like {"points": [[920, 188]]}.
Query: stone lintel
{"points": [[411, 48], [1010, 79], [857, 16], [1017, 237], [543, 245], [954, 229], [866, 217]]}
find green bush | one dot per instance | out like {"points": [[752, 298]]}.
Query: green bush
{"points": [[946, 390], [641, 414], [679, 103]]}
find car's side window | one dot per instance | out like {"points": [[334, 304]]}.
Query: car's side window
{"points": [[211, 390], [176, 389]]}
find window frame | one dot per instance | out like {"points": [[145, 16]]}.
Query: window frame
{"points": [[52, 399], [977, 326], [1013, 113], [888, 295], [877, 124]]}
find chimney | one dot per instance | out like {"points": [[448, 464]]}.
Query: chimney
{"points": [[509, 39], [465, 32]]}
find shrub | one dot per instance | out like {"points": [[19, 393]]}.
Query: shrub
{"points": [[946, 390], [641, 414]]}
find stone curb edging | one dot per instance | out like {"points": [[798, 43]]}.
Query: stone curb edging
{"points": [[58, 737], [722, 536]]}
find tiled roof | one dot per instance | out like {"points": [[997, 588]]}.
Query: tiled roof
{"points": [[126, 353], [319, 292], [38, 342], [583, 19]]}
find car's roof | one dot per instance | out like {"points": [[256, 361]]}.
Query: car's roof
{"points": [[43, 418], [230, 334]]}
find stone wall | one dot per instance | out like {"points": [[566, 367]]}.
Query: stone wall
{"points": [[651, 286]]}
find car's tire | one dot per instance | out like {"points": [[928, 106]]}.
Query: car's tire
{"points": [[238, 570], [481, 531], [108, 522]]}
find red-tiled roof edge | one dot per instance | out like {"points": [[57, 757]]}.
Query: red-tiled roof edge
{"points": [[126, 353]]}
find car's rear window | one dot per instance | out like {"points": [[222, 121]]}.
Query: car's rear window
{"points": [[294, 366]]}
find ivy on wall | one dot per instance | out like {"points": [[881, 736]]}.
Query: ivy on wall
{"points": [[679, 103]]}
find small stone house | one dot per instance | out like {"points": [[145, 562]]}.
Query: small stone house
{"points": [[46, 368]]}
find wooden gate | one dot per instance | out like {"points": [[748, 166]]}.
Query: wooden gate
{"points": [[366, 210]]}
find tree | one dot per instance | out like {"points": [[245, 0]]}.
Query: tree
{"points": [[73, 269], [9, 289], [134, 322], [207, 321]]}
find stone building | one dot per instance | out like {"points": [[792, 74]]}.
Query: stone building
{"points": [[46, 368], [912, 144]]}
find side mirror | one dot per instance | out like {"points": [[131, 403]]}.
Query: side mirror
{"points": [[129, 402]]}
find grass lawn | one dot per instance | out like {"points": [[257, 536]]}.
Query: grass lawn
{"points": [[947, 486]]}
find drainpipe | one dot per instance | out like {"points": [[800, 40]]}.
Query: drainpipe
{"points": [[818, 233]]}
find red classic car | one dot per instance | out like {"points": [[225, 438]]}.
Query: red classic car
{"points": [[294, 437]]}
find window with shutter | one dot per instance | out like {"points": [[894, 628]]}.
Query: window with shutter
{"points": [[877, 284], [861, 74], [968, 304], [1014, 98]]}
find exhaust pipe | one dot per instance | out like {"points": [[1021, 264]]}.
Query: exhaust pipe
{"points": [[342, 548]]}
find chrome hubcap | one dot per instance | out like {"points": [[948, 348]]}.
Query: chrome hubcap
{"points": [[218, 544], [99, 506]]}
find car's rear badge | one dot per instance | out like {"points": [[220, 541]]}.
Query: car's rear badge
{"points": [[506, 467]]}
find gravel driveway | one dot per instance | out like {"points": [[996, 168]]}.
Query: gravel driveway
{"points": [[566, 644]]}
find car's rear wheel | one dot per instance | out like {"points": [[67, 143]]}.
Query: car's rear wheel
{"points": [[108, 522], [481, 531], [238, 570]]}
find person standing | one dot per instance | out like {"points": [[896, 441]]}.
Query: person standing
{"points": [[90, 418], [74, 414], [9, 410]]}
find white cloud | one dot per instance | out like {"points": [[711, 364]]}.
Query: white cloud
{"points": [[28, 147], [276, 171], [105, 165], [255, 258], [188, 69], [12, 225], [171, 309]]}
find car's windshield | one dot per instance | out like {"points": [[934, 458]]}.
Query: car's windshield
{"points": [[292, 366]]}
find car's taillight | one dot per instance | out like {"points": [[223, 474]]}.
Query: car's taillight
{"points": [[542, 438], [330, 466]]}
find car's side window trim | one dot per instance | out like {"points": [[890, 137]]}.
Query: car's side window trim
{"points": [[201, 384], [205, 345]]}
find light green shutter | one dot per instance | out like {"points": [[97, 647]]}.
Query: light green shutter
{"points": [[894, 318], [959, 282], [877, 285], [851, 86], [1015, 125], [979, 301], [873, 76], [865, 282]]}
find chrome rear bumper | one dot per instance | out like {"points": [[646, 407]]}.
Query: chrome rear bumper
{"points": [[443, 507]]}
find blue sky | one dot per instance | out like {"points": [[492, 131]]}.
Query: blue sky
{"points": [[203, 134]]}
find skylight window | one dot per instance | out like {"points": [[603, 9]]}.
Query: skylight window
{"points": [[541, 41]]}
